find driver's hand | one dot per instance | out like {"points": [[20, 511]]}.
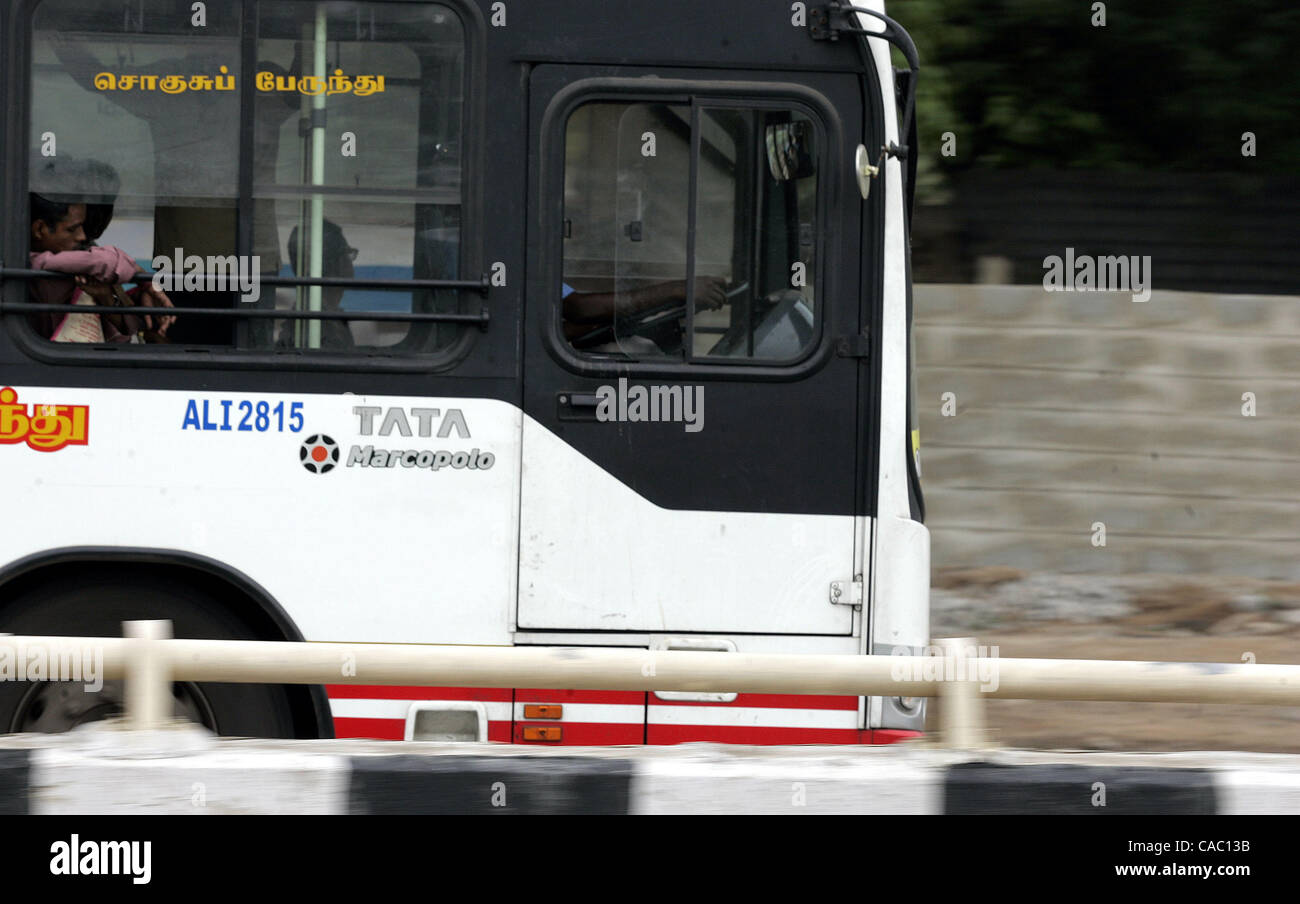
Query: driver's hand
{"points": [[710, 293]]}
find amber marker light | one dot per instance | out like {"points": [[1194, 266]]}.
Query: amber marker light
{"points": [[543, 711], [543, 733]]}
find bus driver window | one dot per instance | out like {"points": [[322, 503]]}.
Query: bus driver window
{"points": [[629, 212]]}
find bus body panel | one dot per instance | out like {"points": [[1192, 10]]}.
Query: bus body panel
{"points": [[597, 556], [406, 551]]}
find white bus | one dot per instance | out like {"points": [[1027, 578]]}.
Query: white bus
{"points": [[556, 323]]}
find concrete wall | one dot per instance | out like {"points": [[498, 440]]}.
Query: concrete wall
{"points": [[1075, 408]]}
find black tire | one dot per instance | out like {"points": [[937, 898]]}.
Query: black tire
{"points": [[94, 606]]}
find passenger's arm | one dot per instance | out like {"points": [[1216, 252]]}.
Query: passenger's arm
{"points": [[104, 263]]}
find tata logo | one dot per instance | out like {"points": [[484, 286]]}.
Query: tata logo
{"points": [[399, 420]]}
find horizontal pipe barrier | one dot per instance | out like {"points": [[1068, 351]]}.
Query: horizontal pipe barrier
{"points": [[674, 670], [149, 659]]}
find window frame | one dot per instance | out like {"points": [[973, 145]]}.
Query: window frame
{"points": [[756, 262], [18, 103], [697, 95]]}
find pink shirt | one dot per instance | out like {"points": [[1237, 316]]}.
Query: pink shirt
{"points": [[106, 264]]}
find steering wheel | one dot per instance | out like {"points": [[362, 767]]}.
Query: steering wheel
{"points": [[771, 309], [631, 325], [645, 321]]}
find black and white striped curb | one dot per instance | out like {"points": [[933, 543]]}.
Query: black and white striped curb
{"points": [[65, 775]]}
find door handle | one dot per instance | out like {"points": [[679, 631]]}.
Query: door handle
{"points": [[576, 406]]}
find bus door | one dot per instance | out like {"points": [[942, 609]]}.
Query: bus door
{"points": [[690, 438]]}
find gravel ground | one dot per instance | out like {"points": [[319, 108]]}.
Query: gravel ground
{"points": [[999, 599], [1193, 618]]}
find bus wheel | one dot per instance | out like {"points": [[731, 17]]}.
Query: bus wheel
{"points": [[96, 607]]}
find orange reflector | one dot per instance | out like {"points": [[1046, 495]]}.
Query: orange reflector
{"points": [[542, 733], [543, 711]]}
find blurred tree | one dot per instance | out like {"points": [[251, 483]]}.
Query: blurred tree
{"points": [[1162, 86]]}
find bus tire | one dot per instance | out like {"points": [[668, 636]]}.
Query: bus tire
{"points": [[96, 607]]}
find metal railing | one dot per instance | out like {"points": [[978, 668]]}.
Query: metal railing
{"points": [[149, 660], [245, 312]]}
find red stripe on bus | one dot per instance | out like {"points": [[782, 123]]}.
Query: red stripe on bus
{"points": [[782, 701], [380, 729], [599, 734], [390, 692], [765, 734], [531, 695]]}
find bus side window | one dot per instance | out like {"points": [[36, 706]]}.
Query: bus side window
{"points": [[375, 193], [109, 101], [355, 157]]}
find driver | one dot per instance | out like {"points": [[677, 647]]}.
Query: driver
{"points": [[585, 311]]}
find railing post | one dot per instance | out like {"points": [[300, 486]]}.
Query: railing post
{"points": [[961, 710], [148, 674]]}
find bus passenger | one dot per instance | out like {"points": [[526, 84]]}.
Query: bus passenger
{"points": [[336, 260], [58, 238]]}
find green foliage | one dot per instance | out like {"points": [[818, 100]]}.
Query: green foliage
{"points": [[1162, 86]]}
